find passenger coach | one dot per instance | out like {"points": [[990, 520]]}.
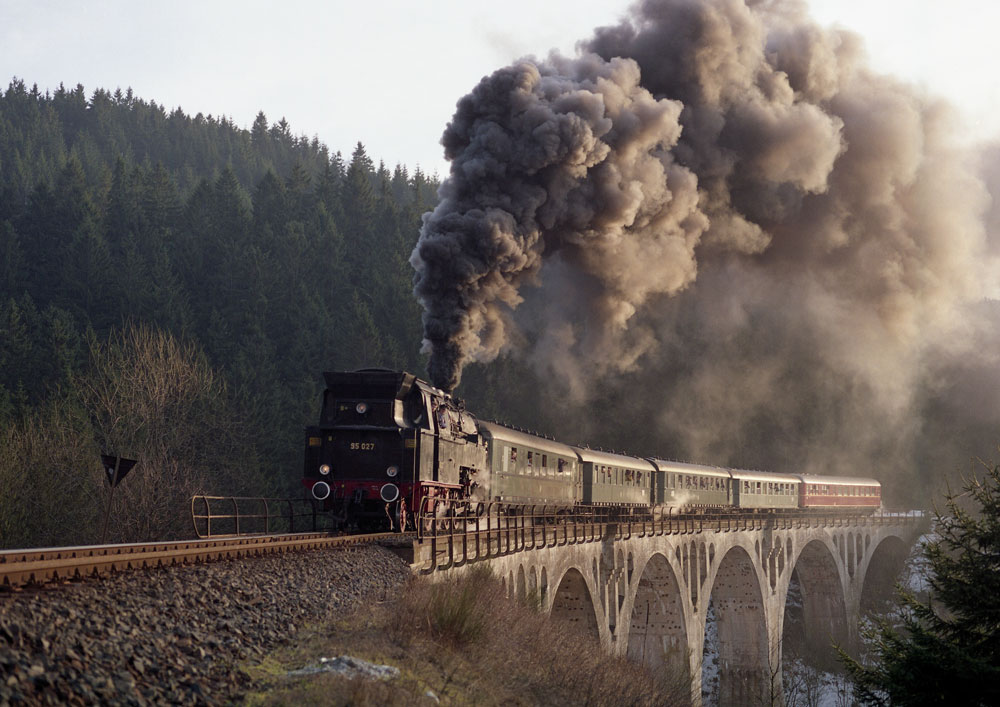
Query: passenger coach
{"points": [[820, 492], [683, 485], [762, 490]]}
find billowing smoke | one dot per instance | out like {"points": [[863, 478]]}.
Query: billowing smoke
{"points": [[776, 256], [567, 157]]}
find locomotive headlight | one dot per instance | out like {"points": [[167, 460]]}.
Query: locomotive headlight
{"points": [[325, 469], [392, 471], [362, 408]]}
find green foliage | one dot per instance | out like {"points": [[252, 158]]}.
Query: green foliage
{"points": [[947, 649]]}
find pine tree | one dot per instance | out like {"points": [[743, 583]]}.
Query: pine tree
{"points": [[947, 650]]}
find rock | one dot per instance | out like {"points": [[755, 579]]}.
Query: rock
{"points": [[178, 631], [351, 667]]}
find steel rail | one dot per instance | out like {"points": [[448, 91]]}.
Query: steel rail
{"points": [[42, 565]]}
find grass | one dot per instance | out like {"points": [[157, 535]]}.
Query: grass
{"points": [[465, 643]]}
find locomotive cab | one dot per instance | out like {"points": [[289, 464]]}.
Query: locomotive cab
{"points": [[384, 437]]}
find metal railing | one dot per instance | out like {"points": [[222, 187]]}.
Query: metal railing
{"points": [[459, 531], [233, 516]]}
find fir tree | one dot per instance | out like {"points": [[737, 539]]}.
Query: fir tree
{"points": [[947, 650]]}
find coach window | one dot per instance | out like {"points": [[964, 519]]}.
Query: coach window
{"points": [[530, 457], [545, 463]]}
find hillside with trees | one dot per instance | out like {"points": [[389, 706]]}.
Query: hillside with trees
{"points": [[171, 288]]}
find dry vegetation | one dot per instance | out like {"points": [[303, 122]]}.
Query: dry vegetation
{"points": [[146, 396], [467, 644]]}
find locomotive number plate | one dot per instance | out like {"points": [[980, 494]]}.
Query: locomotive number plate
{"points": [[363, 446]]}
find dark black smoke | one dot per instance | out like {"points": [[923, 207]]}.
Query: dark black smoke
{"points": [[718, 207]]}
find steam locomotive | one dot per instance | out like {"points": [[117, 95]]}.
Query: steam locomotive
{"points": [[387, 439]]}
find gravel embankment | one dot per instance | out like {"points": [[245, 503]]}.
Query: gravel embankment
{"points": [[176, 635]]}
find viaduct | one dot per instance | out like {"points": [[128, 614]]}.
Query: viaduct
{"points": [[644, 589]]}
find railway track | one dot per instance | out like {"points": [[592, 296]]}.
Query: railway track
{"points": [[44, 565]]}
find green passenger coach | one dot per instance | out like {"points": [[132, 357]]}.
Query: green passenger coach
{"points": [[615, 479], [764, 490], [529, 469], [684, 485]]}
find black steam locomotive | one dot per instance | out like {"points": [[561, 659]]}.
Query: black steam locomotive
{"points": [[386, 440]]}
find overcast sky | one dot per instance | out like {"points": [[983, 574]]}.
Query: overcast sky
{"points": [[388, 72]]}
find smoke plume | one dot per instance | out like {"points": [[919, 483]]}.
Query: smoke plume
{"points": [[718, 204]]}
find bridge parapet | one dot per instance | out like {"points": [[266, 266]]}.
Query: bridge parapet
{"points": [[643, 586]]}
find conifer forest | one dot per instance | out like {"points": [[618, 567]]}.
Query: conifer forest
{"points": [[171, 289]]}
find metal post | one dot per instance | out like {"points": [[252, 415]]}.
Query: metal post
{"points": [[107, 513]]}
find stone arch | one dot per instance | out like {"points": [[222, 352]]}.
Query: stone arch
{"points": [[657, 633], [533, 582], [573, 603], [543, 590], [884, 566], [740, 622], [521, 591], [815, 611]]}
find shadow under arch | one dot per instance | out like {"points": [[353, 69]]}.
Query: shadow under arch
{"points": [[573, 603], [657, 634], [884, 568], [740, 623], [815, 612]]}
